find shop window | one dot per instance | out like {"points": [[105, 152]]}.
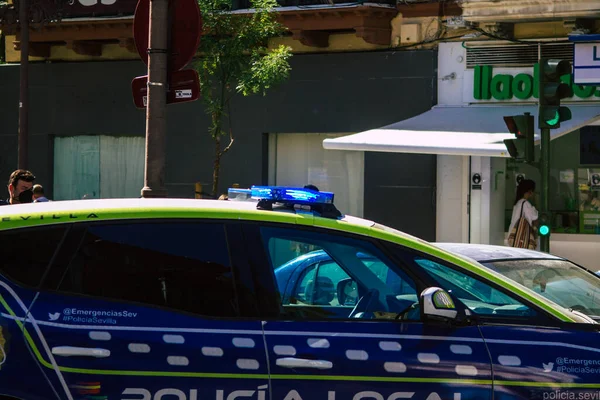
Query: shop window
{"points": [[574, 182], [589, 145], [588, 180], [563, 191]]}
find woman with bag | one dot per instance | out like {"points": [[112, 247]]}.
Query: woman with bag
{"points": [[522, 231]]}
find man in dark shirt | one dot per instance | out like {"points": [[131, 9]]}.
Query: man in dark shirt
{"points": [[20, 186]]}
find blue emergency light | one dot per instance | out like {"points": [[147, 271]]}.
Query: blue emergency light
{"points": [[281, 194], [298, 199]]}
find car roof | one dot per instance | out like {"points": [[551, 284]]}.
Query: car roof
{"points": [[488, 252], [91, 210], [117, 204], [139, 206], [54, 212]]}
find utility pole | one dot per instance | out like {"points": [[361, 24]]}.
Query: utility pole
{"points": [[23, 133], [545, 173], [156, 122]]}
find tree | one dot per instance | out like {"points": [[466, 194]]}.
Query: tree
{"points": [[235, 59]]}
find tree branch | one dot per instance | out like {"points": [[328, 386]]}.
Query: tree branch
{"points": [[226, 149]]}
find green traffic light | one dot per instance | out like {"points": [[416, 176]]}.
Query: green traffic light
{"points": [[551, 116], [555, 120], [544, 230]]}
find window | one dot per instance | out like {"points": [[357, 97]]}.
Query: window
{"points": [[589, 145], [26, 253], [478, 296], [183, 266], [573, 200], [318, 285], [558, 280], [300, 292], [324, 276]]}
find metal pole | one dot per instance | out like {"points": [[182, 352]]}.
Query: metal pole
{"points": [[545, 172], [156, 122], [23, 132]]}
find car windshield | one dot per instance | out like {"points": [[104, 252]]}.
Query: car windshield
{"points": [[558, 280]]}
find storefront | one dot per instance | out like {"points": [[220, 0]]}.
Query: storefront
{"points": [[478, 84]]}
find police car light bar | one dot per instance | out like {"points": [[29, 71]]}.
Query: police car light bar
{"points": [[299, 199], [237, 194], [281, 194]]}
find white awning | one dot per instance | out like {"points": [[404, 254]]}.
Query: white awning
{"points": [[470, 130]]}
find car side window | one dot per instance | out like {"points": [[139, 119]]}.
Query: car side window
{"points": [[329, 274], [318, 285], [479, 296], [306, 280], [324, 276], [25, 254], [178, 265]]}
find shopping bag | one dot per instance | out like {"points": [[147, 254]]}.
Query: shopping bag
{"points": [[522, 234]]}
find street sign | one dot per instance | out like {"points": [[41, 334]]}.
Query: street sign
{"points": [[185, 31], [586, 63], [184, 86]]}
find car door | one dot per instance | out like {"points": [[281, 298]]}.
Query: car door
{"points": [[143, 310], [24, 258], [534, 355], [366, 352], [552, 362]]}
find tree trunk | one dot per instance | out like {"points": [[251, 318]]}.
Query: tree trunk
{"points": [[216, 166]]}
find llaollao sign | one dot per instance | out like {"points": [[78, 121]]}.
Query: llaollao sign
{"points": [[520, 87]]}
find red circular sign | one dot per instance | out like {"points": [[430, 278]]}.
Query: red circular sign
{"points": [[185, 30]]}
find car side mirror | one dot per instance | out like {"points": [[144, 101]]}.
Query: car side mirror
{"points": [[436, 303], [347, 292]]}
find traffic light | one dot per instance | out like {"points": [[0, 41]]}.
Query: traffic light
{"points": [[522, 126], [552, 91], [544, 224]]}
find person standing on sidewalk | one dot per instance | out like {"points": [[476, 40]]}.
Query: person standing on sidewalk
{"points": [[20, 185], [522, 231], [38, 194]]}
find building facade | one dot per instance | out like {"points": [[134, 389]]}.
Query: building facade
{"points": [[478, 84], [87, 137], [351, 60]]}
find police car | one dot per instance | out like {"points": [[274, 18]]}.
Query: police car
{"points": [[152, 299]]}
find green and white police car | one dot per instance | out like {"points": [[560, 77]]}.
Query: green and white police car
{"points": [[145, 299]]}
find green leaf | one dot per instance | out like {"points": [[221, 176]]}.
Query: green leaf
{"points": [[235, 58]]}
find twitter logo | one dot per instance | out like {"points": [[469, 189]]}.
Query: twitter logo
{"points": [[548, 367], [54, 317]]}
